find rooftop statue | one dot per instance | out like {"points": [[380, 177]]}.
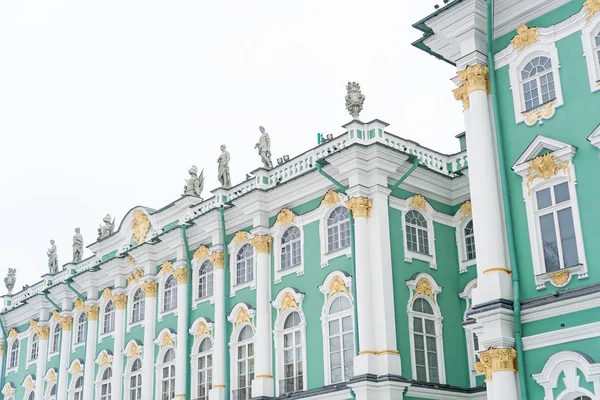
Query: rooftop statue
{"points": [[195, 184], [52, 258], [10, 280], [354, 99], [264, 148], [106, 229], [77, 246], [223, 162]]}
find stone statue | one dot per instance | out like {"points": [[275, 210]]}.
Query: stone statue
{"points": [[77, 246], [354, 99], [195, 184], [52, 258], [106, 229], [264, 148], [10, 280], [223, 162]]}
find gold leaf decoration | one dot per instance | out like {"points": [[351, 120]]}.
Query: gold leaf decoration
{"points": [[360, 206], [140, 226], [262, 244], [288, 301], [217, 258], [418, 202], [493, 360], [29, 383], [591, 7], [331, 198], [79, 304], [51, 376], [8, 390], [181, 275], [32, 324], [134, 350], [130, 259], [77, 368], [201, 253], [337, 285], [1, 349], [545, 167], [107, 294], [43, 332], [150, 288], [202, 329], [166, 267], [424, 288], [120, 301], [560, 278], [525, 36], [135, 276], [285, 217], [462, 95], [105, 359], [242, 317], [92, 312], [240, 237], [543, 112], [167, 340], [13, 334], [465, 210], [475, 77]]}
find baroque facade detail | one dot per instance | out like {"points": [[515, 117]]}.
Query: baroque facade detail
{"points": [[360, 207], [525, 36], [475, 77]]}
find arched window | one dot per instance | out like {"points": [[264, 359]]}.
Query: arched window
{"points": [[78, 389], [14, 354], [244, 265], [597, 48], [105, 386], [417, 235], [52, 395], [470, 241], [81, 326], [54, 345], [109, 317], [35, 348], [582, 398], [167, 375], [340, 337], [338, 229], [425, 342], [245, 362], [205, 280], [293, 355], [31, 396], [135, 381], [137, 307], [291, 248], [537, 80], [170, 294], [204, 369]]}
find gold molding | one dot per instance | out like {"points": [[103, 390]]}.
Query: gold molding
{"points": [[497, 269], [66, 323], [13, 334], [264, 376], [424, 287], [475, 77], [130, 259], [202, 329], [92, 312], [285, 216], [364, 352], [331, 198], [466, 210], [43, 332], [591, 7], [79, 304], [495, 360], [262, 244], [288, 301], [419, 202], [77, 368], [135, 276], [120, 301], [218, 259], [134, 350], [150, 288], [360, 206], [52, 376], [242, 317], [544, 167], [201, 253], [181, 275], [107, 294], [545, 111], [337, 285], [105, 359], [461, 94], [560, 278], [384, 352], [167, 340], [166, 267], [218, 386], [240, 237], [1, 349], [29, 383], [32, 324], [140, 226], [525, 36]]}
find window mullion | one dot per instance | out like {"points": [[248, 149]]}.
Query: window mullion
{"points": [[558, 240]]}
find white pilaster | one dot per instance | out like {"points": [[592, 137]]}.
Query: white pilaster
{"points": [[182, 358], [2, 350], [220, 337], [149, 288], [66, 324], [263, 383], [120, 301], [42, 332], [90, 351]]}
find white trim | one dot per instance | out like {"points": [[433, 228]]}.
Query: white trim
{"points": [[159, 364], [428, 214], [25, 385], [566, 335], [323, 213], [594, 138], [568, 306], [128, 374], [162, 281], [196, 265], [28, 360], [99, 382], [234, 343], [277, 232], [75, 344], [588, 34], [233, 249], [437, 394], [469, 332], [460, 226], [131, 291], [194, 356], [102, 303]]}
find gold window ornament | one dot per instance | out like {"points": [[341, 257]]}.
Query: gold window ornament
{"points": [[418, 202], [240, 237], [288, 301], [424, 288], [140, 226], [202, 329], [201, 253], [465, 210], [337, 285], [591, 7], [331, 198], [285, 217], [545, 167], [525, 36], [242, 317]]}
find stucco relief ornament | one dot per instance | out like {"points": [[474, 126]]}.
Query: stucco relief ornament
{"points": [[354, 99], [525, 36], [167, 340], [195, 184], [285, 217], [288, 301], [134, 350], [560, 278], [240, 237], [462, 95], [30, 383], [181, 275], [150, 288], [79, 304], [13, 334], [475, 77], [201, 253], [218, 259], [130, 259], [545, 167], [331, 198], [242, 317], [10, 280], [108, 228], [135, 276], [493, 360], [540, 114], [107, 294], [262, 244], [591, 7], [140, 226], [424, 287], [418, 202], [337, 285], [77, 368], [166, 267], [52, 258], [105, 360], [465, 210], [52, 376], [202, 329], [360, 206]]}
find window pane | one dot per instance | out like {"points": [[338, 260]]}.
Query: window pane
{"points": [[334, 327], [418, 325], [421, 374], [419, 342], [567, 237], [561, 193], [543, 198], [346, 324], [430, 327], [549, 244]]}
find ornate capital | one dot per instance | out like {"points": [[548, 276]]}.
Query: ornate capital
{"points": [[591, 7], [120, 301], [218, 259], [360, 206], [149, 288], [494, 360], [285, 217], [79, 304], [66, 323], [43, 332], [91, 312], [462, 95], [475, 77], [181, 275], [466, 210], [201, 253], [424, 287], [525, 36], [331, 198], [262, 243], [1, 349]]}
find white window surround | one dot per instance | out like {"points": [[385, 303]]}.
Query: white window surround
{"points": [[28, 384], [74, 378], [161, 337], [50, 379], [471, 350], [30, 342], [160, 364], [8, 387], [233, 345], [128, 373], [162, 280], [131, 291], [53, 326], [565, 153], [196, 265], [437, 317], [102, 314], [460, 224], [99, 382], [323, 212], [233, 249], [9, 347], [75, 345], [590, 51], [568, 362], [594, 138], [277, 231], [194, 356], [428, 213], [278, 333]]}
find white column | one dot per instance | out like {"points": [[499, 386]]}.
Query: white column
{"points": [[120, 301], [149, 288], [90, 351], [42, 332], [182, 358], [500, 368], [220, 336], [66, 324], [263, 384], [2, 349]]}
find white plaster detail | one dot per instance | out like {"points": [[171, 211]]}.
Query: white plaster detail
{"points": [[277, 232], [594, 138], [196, 265], [323, 213], [565, 335], [428, 213], [568, 362], [589, 33], [564, 307], [233, 248], [460, 223]]}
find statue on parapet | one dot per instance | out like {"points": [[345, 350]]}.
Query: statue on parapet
{"points": [[52, 258], [264, 148], [77, 246], [107, 229], [10, 280], [195, 184], [223, 173], [354, 99]]}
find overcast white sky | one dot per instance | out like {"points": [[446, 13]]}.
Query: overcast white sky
{"points": [[105, 105]]}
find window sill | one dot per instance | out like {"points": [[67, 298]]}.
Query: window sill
{"points": [[75, 346], [539, 113], [296, 269], [134, 324], [162, 314], [561, 278], [410, 255], [205, 299], [326, 257], [234, 288], [464, 265]]}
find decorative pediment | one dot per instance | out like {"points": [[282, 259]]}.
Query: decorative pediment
{"points": [[28, 383], [594, 138], [241, 313], [423, 285], [8, 390], [288, 298], [76, 367], [201, 327], [104, 358], [51, 376], [336, 282], [539, 147], [165, 338], [133, 349]]}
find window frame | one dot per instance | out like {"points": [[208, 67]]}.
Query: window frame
{"points": [[113, 311], [141, 302], [54, 329], [10, 345], [460, 225], [172, 281], [101, 382], [160, 365], [77, 322], [469, 325], [34, 340], [73, 389], [233, 339], [324, 213], [278, 232], [129, 373], [427, 212], [196, 265], [234, 249], [591, 51], [210, 281], [235, 344], [195, 357]]}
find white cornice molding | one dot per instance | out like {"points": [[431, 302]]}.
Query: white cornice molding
{"points": [[439, 394], [564, 307], [594, 138], [566, 335]]}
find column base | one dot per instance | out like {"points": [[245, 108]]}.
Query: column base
{"points": [[366, 362], [389, 364], [216, 393], [263, 386], [367, 389]]}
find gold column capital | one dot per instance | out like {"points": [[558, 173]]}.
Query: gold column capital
{"points": [[120, 301], [43, 332], [218, 259], [181, 275], [150, 288], [494, 360], [262, 243], [360, 206], [66, 323], [91, 312], [475, 77], [1, 349], [462, 95]]}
